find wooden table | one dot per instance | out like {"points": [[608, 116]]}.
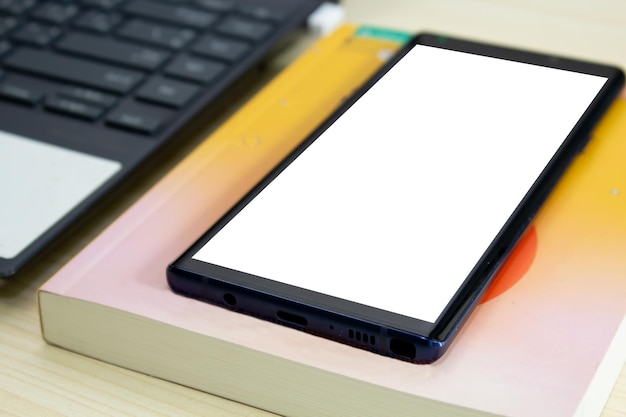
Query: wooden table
{"points": [[41, 380]]}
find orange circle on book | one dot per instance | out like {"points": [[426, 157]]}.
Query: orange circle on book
{"points": [[515, 267]]}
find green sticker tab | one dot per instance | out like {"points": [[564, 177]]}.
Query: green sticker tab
{"points": [[390, 35]]}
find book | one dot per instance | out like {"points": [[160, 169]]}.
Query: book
{"points": [[549, 338]]}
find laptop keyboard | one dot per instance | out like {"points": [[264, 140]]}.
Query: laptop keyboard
{"points": [[119, 83], [105, 56]]}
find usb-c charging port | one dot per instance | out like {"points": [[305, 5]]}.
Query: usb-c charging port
{"points": [[291, 318]]}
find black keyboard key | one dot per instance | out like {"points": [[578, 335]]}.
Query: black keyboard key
{"points": [[90, 96], [218, 6], [57, 13], [97, 21], [221, 47], [20, 93], [134, 121], [113, 51], [244, 28], [158, 34], [167, 92], [38, 34], [102, 4], [16, 7], [4, 47], [7, 24], [263, 12], [195, 69], [47, 64], [73, 108], [181, 15]]}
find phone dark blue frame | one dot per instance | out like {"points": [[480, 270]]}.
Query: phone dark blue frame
{"points": [[363, 326]]}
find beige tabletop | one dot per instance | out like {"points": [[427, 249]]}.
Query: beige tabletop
{"points": [[41, 380]]}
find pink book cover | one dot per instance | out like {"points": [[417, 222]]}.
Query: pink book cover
{"points": [[532, 348]]}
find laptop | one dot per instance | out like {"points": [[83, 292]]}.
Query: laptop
{"points": [[91, 91]]}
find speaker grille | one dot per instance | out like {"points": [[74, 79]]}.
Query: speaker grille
{"points": [[362, 337]]}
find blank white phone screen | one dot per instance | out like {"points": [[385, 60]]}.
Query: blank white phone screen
{"points": [[395, 203]]}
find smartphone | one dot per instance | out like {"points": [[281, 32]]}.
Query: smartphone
{"points": [[385, 227]]}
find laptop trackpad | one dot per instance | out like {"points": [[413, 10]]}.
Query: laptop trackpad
{"points": [[39, 184]]}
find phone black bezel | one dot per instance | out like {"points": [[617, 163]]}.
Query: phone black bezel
{"points": [[416, 341]]}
